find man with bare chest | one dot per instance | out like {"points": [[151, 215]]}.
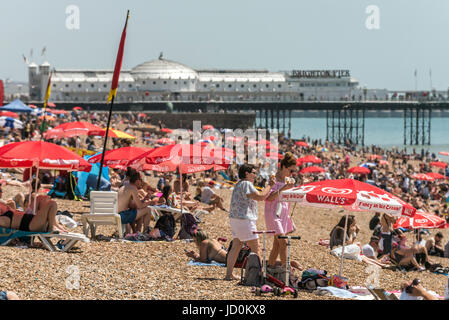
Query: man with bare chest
{"points": [[131, 209]]}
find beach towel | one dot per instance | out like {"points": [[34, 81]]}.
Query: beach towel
{"points": [[7, 234], [336, 292], [202, 264]]}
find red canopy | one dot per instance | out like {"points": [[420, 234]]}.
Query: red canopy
{"points": [[349, 194], [439, 164], [120, 156], [302, 144], [308, 159], [41, 154], [359, 170], [8, 114], [71, 129], [421, 220], [423, 177], [436, 176], [166, 130], [165, 141], [312, 169]]}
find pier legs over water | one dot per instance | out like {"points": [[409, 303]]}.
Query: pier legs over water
{"points": [[346, 125], [417, 122]]}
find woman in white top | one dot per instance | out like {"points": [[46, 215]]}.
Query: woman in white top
{"points": [[243, 215]]}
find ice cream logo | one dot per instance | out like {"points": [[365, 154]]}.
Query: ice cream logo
{"points": [[331, 190]]}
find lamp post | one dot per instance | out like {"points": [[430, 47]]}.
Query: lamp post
{"points": [[365, 91]]}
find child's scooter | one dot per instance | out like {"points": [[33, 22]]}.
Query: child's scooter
{"points": [[287, 289], [281, 287]]}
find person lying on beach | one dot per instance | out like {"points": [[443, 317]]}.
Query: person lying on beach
{"points": [[209, 249], [8, 295], [43, 221]]}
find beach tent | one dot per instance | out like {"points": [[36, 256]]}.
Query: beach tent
{"points": [[16, 106], [81, 187]]}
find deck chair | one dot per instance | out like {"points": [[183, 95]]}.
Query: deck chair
{"points": [[381, 294], [103, 211], [69, 239], [176, 213]]}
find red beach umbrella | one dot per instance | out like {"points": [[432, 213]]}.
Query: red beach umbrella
{"points": [[439, 164], [166, 130], [120, 156], [208, 126], [302, 144], [165, 141], [349, 194], [72, 129], [41, 154], [436, 175], [444, 153], [423, 177], [77, 108], [308, 159], [312, 169], [51, 105], [8, 114], [359, 170], [421, 220], [374, 157]]}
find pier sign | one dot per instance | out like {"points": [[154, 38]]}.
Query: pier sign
{"points": [[320, 73]]}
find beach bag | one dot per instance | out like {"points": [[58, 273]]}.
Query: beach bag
{"points": [[189, 225], [244, 252], [339, 282], [253, 271], [167, 224], [313, 278]]}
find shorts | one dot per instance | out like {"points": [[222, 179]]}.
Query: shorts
{"points": [[242, 229], [3, 295], [128, 216]]}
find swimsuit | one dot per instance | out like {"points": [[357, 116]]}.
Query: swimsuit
{"points": [[25, 222], [8, 214]]}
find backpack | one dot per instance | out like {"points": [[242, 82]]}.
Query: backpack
{"points": [[167, 224], [188, 226], [253, 271], [313, 278], [244, 252]]}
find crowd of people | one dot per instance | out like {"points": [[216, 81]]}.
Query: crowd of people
{"points": [[391, 170]]}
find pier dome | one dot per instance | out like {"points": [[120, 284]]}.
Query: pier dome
{"points": [[163, 69]]}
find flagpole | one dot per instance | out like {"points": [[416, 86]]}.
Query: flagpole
{"points": [[113, 92], [47, 96], [105, 143]]}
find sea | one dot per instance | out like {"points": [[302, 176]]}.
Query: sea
{"points": [[382, 132]]}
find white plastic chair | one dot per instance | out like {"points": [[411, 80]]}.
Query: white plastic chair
{"points": [[103, 211]]}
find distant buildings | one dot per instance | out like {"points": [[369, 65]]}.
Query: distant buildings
{"points": [[162, 80]]}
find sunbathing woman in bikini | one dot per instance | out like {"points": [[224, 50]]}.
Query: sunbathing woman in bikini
{"points": [[43, 221], [210, 249]]}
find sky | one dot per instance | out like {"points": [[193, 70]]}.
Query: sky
{"points": [[381, 48]]}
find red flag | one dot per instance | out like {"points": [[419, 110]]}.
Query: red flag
{"points": [[1, 92], [118, 63]]}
